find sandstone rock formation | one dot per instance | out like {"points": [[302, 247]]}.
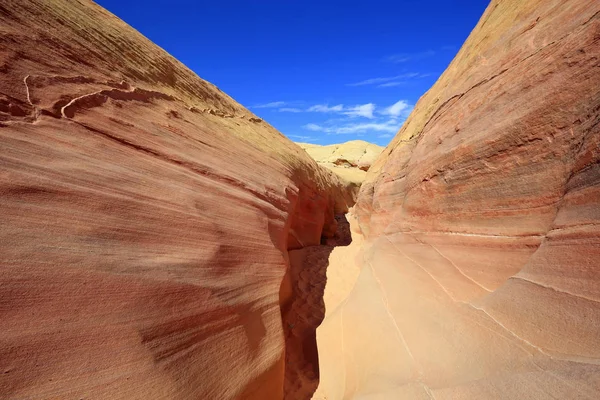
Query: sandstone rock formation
{"points": [[146, 218], [349, 160], [158, 241], [480, 271]]}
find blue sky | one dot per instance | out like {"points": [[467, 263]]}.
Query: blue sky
{"points": [[319, 71]]}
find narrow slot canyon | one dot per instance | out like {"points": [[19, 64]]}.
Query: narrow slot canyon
{"points": [[303, 309], [160, 241]]}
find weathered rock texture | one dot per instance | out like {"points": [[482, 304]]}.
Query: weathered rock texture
{"points": [[348, 160], [480, 274], [309, 268], [146, 218]]}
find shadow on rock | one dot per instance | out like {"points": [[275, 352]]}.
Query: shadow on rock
{"points": [[305, 311]]}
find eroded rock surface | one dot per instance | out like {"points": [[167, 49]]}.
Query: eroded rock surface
{"points": [[348, 160], [480, 272], [146, 218], [309, 269]]}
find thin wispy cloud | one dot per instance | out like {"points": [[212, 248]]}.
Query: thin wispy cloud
{"points": [[359, 110], [406, 57], [390, 81], [374, 81], [390, 126], [281, 106], [313, 127], [391, 84], [324, 108], [273, 104], [300, 137]]}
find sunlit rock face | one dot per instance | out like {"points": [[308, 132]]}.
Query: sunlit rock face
{"points": [[480, 271], [148, 222], [145, 218], [349, 160]]}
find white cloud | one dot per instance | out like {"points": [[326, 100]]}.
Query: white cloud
{"points": [[385, 135], [324, 108], [396, 114], [359, 110], [391, 126], [290, 109], [273, 104], [397, 109], [364, 110]]}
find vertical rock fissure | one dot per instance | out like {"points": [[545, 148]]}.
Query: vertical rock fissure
{"points": [[304, 311]]}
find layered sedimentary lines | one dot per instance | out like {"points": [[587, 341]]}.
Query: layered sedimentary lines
{"points": [[156, 235], [146, 218], [480, 276]]}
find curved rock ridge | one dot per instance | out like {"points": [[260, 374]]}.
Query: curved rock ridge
{"points": [[350, 160], [146, 218], [479, 274]]}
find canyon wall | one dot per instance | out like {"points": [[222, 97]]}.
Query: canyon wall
{"points": [[146, 218], [148, 222], [480, 271]]}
